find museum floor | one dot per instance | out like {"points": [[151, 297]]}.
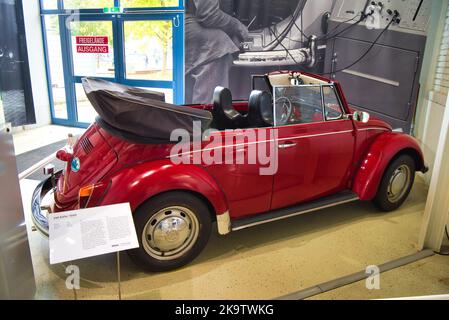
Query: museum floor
{"points": [[264, 262]]}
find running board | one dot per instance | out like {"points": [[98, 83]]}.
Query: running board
{"points": [[327, 202]]}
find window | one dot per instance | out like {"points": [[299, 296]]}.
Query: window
{"points": [[332, 106], [142, 46], [149, 50], [297, 105], [149, 3], [93, 64], [50, 4], [88, 4], [55, 66]]}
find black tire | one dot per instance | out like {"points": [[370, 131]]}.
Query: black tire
{"points": [[153, 208], [382, 200]]}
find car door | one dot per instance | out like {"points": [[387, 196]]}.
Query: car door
{"points": [[243, 176], [315, 145]]}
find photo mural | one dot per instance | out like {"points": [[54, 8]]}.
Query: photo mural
{"points": [[373, 49]]}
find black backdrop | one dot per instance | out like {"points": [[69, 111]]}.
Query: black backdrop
{"points": [[15, 83]]}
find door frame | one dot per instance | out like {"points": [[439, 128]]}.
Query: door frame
{"points": [[176, 14]]}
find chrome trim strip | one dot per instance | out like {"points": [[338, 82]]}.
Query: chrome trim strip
{"points": [[265, 141], [374, 78], [316, 135], [295, 214], [224, 223], [369, 129]]}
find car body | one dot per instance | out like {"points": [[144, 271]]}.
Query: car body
{"points": [[337, 156]]}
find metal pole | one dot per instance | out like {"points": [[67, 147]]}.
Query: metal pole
{"points": [[74, 293], [118, 277]]}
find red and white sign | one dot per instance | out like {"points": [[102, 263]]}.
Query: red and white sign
{"points": [[87, 44], [92, 49]]}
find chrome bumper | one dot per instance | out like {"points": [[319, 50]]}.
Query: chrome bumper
{"points": [[38, 215]]}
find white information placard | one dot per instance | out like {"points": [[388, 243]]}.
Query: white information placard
{"points": [[91, 232]]}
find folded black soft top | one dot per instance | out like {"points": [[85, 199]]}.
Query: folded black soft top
{"points": [[141, 116]]}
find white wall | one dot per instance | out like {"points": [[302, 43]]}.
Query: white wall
{"points": [[434, 84], [37, 62]]}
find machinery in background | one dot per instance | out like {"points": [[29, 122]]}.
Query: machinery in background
{"points": [[386, 81], [270, 23], [302, 56]]}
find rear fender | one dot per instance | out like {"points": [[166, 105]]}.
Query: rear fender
{"points": [[385, 149], [142, 182]]}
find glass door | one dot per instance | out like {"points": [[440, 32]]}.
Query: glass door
{"points": [[92, 48], [149, 58], [134, 42]]}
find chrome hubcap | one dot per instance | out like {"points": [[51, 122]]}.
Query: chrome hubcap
{"points": [[399, 183], [170, 233]]}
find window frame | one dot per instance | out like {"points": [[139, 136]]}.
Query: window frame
{"points": [[116, 3], [342, 109]]}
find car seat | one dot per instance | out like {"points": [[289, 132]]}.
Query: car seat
{"points": [[260, 109], [225, 116]]}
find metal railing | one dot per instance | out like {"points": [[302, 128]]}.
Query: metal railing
{"points": [[28, 172]]}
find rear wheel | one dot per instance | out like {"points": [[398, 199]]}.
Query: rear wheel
{"points": [[396, 184], [173, 229]]}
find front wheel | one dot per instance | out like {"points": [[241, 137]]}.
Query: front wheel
{"points": [[396, 184], [173, 229]]}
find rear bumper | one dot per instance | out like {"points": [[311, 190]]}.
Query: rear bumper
{"points": [[38, 215]]}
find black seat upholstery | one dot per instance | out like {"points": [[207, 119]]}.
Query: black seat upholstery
{"points": [[260, 109], [225, 116]]}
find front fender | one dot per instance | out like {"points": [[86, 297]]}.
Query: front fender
{"points": [[384, 149], [139, 183]]}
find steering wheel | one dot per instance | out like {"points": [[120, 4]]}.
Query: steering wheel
{"points": [[286, 110]]}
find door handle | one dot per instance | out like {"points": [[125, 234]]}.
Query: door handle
{"points": [[287, 145]]}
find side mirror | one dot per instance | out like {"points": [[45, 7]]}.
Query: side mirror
{"points": [[361, 116]]}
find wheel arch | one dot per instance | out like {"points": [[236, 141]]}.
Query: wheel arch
{"points": [[196, 194], [138, 184], [385, 149], [415, 155]]}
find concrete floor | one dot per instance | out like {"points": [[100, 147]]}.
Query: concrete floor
{"points": [[269, 261], [426, 277], [28, 140]]}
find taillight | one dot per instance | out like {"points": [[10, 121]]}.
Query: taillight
{"points": [[63, 155], [89, 196], [66, 154]]}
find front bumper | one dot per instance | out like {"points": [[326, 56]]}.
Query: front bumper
{"points": [[38, 214]]}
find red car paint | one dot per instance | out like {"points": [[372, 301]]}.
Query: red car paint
{"points": [[328, 157]]}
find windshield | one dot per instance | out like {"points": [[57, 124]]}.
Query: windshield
{"points": [[298, 104]]}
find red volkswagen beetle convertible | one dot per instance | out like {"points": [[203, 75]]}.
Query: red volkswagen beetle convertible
{"points": [[294, 148]]}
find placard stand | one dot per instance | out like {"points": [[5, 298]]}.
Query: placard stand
{"points": [[92, 232], [118, 277], [75, 297], [119, 281]]}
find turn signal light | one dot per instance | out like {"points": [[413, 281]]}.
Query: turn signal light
{"points": [[84, 195], [91, 195]]}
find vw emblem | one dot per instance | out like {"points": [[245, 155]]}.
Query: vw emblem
{"points": [[76, 164]]}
